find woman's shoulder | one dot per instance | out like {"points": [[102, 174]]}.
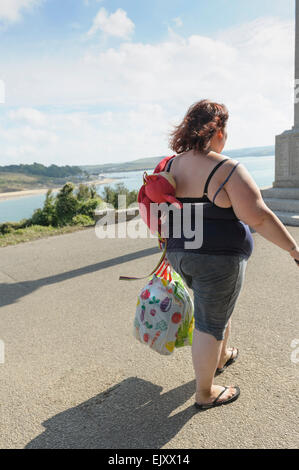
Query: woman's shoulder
{"points": [[230, 162]]}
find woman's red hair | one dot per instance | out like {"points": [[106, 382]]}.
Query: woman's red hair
{"points": [[199, 125]]}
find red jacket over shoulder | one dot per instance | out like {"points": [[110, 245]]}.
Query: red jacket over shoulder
{"points": [[162, 165], [156, 189]]}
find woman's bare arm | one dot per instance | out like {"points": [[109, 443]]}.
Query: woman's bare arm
{"points": [[249, 206]]}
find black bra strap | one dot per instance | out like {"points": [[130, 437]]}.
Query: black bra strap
{"points": [[169, 163], [211, 174], [209, 177]]}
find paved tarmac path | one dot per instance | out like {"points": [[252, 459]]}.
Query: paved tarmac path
{"points": [[74, 376]]}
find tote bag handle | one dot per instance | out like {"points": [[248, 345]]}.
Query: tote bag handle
{"points": [[156, 269]]}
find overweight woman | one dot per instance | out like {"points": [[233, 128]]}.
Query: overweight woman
{"points": [[215, 271]]}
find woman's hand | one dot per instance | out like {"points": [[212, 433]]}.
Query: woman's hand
{"points": [[295, 254]]}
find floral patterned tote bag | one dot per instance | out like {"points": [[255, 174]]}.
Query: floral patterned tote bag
{"points": [[164, 318]]}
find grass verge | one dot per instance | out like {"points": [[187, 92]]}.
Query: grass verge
{"points": [[35, 232]]}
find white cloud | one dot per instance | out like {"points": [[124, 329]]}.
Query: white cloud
{"points": [[116, 24], [146, 89], [177, 21], [11, 10], [82, 137], [28, 115]]}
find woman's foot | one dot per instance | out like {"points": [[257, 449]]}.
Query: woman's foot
{"points": [[230, 353], [207, 397]]}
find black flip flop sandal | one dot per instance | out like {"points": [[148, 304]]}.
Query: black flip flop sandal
{"points": [[219, 403], [230, 361]]}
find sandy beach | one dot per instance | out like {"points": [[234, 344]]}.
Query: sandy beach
{"points": [[34, 192]]}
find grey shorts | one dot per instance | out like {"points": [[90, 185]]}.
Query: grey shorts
{"points": [[216, 282]]}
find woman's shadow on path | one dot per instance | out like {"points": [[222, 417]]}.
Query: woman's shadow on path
{"points": [[130, 415], [16, 290]]}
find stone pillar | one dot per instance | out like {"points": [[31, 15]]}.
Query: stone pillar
{"points": [[287, 144], [283, 196]]}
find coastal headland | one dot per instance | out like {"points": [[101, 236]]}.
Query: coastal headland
{"points": [[33, 192]]}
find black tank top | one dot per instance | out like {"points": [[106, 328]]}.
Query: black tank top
{"points": [[223, 232]]}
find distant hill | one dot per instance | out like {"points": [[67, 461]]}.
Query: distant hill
{"points": [[37, 169], [36, 175], [151, 162], [251, 152], [134, 165]]}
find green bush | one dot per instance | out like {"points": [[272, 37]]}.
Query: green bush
{"points": [[9, 227], [60, 210], [88, 207], [110, 195], [83, 192], [38, 218], [66, 204], [47, 215], [82, 219], [70, 207]]}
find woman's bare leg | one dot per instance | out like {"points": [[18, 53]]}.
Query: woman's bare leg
{"points": [[206, 352], [226, 352]]}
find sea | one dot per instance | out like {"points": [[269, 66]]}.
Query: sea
{"points": [[262, 170]]}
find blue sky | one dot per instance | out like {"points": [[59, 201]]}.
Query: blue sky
{"points": [[53, 19], [94, 81]]}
